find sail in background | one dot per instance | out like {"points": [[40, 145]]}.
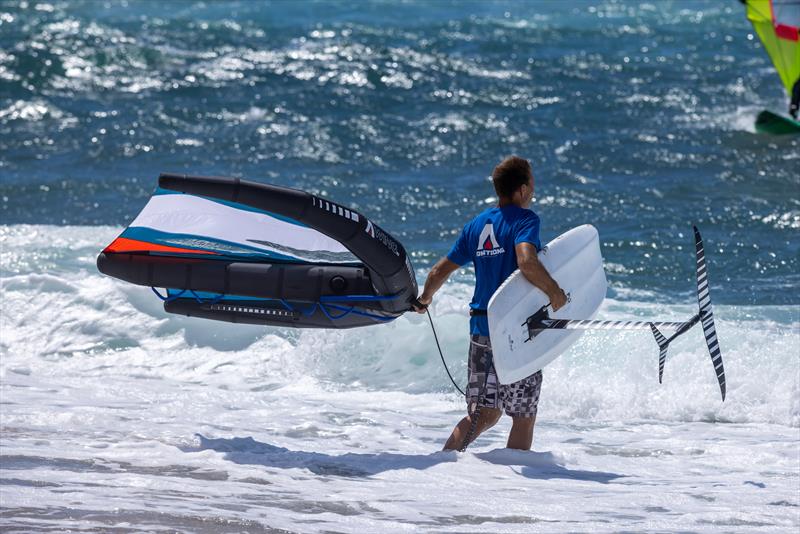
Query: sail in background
{"points": [[777, 23]]}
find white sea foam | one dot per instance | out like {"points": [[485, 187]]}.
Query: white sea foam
{"points": [[114, 411]]}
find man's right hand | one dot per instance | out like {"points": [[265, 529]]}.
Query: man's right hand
{"points": [[558, 300], [422, 303]]}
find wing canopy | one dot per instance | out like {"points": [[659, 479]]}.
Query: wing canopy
{"points": [[777, 23], [183, 225]]}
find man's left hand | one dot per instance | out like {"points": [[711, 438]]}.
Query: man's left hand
{"points": [[558, 300]]}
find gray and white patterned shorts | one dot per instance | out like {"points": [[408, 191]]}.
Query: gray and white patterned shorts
{"points": [[518, 399]]}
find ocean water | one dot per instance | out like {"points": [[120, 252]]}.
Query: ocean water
{"points": [[637, 118]]}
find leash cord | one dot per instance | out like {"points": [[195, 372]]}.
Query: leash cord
{"points": [[441, 355]]}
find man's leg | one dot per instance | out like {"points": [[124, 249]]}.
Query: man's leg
{"points": [[486, 420], [481, 388], [521, 435], [521, 402]]}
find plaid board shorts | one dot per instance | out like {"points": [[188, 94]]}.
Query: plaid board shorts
{"points": [[518, 399]]}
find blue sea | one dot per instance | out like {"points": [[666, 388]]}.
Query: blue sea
{"points": [[637, 117]]}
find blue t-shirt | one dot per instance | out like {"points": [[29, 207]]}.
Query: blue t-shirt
{"points": [[488, 241]]}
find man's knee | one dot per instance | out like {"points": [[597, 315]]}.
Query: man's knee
{"points": [[523, 422], [490, 416]]}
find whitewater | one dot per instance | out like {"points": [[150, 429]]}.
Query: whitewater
{"points": [[116, 415]]}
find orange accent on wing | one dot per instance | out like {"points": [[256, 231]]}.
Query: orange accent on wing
{"points": [[123, 244]]}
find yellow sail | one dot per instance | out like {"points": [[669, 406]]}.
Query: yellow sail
{"points": [[777, 23]]}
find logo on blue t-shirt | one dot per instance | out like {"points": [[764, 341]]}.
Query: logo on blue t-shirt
{"points": [[487, 243]]}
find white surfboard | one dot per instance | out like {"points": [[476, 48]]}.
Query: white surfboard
{"points": [[573, 259]]}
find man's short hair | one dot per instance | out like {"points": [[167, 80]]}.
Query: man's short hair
{"points": [[510, 175]]}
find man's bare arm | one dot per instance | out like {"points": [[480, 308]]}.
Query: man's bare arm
{"points": [[438, 276], [528, 262]]}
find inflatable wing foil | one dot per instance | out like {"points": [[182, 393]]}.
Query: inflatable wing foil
{"points": [[245, 252]]}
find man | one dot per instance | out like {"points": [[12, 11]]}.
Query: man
{"points": [[498, 241], [794, 105]]}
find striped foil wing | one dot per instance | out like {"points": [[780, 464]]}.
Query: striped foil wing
{"points": [[706, 315], [662, 346]]}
